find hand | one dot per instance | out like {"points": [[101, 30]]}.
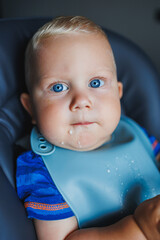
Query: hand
{"points": [[147, 216]]}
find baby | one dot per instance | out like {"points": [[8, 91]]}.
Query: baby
{"points": [[74, 100]]}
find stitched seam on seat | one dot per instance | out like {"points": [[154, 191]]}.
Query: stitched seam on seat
{"points": [[7, 128]]}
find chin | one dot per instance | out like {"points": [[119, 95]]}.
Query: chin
{"points": [[86, 144]]}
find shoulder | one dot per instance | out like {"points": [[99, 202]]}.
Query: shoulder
{"points": [[137, 129], [150, 141], [28, 157], [31, 172], [30, 162], [128, 121]]}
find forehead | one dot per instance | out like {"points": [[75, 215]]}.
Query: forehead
{"points": [[73, 50], [72, 42]]}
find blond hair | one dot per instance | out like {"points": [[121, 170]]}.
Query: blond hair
{"points": [[58, 26]]}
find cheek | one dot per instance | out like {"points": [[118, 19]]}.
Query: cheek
{"points": [[110, 113], [50, 118]]}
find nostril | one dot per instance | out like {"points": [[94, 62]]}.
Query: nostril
{"points": [[87, 106], [74, 107]]}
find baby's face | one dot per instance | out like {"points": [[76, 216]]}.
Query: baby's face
{"points": [[76, 96]]}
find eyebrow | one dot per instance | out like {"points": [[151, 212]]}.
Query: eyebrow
{"points": [[104, 70], [60, 77]]}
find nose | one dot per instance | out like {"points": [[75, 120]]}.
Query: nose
{"points": [[80, 102]]}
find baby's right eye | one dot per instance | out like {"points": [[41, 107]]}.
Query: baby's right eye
{"points": [[59, 87]]}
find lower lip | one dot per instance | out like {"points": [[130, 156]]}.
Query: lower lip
{"points": [[82, 124]]}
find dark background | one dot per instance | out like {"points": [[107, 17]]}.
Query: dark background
{"points": [[139, 20]]}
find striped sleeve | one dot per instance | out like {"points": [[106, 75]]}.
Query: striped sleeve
{"points": [[37, 190], [154, 142]]}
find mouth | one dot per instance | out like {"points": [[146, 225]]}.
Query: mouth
{"points": [[82, 123]]}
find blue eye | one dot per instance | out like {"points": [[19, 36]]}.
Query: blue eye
{"points": [[96, 83], [59, 87]]}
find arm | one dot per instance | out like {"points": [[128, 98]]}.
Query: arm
{"points": [[67, 229], [144, 225], [125, 229], [55, 230], [147, 216]]}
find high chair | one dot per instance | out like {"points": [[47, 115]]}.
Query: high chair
{"points": [[141, 102]]}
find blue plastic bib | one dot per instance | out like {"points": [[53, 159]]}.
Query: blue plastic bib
{"points": [[106, 184]]}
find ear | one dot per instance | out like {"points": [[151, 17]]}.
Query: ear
{"points": [[26, 102], [120, 89]]}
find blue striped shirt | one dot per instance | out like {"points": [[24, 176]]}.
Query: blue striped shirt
{"points": [[36, 188]]}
